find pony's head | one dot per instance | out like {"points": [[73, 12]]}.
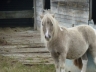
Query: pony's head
{"points": [[48, 26]]}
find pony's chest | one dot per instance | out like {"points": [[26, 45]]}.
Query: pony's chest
{"points": [[56, 49]]}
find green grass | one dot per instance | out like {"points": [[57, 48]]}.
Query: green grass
{"points": [[11, 65]]}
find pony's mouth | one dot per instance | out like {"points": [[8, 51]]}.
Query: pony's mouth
{"points": [[47, 39]]}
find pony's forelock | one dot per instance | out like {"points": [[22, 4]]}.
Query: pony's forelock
{"points": [[54, 22]]}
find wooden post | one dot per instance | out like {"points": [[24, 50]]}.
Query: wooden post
{"points": [[90, 10], [35, 24]]}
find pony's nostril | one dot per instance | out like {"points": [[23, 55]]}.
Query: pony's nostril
{"points": [[49, 36]]}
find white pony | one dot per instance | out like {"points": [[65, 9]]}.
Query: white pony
{"points": [[68, 43]]}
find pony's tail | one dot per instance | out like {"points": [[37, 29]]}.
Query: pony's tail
{"points": [[78, 63]]}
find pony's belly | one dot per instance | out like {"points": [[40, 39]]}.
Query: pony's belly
{"points": [[74, 54], [77, 48]]}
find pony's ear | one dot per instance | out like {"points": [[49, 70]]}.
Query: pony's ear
{"points": [[53, 15], [41, 16]]}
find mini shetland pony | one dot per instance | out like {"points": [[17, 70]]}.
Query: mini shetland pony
{"points": [[68, 43]]}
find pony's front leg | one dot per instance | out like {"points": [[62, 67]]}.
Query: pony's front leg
{"points": [[57, 66], [55, 56], [84, 62], [62, 62]]}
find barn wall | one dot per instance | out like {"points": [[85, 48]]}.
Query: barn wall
{"points": [[69, 12]]}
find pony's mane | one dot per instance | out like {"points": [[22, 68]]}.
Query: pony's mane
{"points": [[54, 22]]}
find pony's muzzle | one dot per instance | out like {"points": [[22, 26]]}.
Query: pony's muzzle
{"points": [[47, 37]]}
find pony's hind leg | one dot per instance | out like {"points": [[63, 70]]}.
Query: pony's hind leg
{"points": [[84, 62]]}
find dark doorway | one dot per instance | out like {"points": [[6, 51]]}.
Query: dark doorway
{"points": [[94, 11], [46, 4], [10, 9]]}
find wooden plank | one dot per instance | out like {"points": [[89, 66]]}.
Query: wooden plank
{"points": [[16, 14], [66, 16], [24, 50], [70, 0], [28, 55], [37, 61], [71, 12], [72, 20], [70, 24], [33, 45], [75, 5], [23, 40]]}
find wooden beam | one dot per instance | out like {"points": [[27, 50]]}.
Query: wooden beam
{"points": [[69, 0], [16, 14]]}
